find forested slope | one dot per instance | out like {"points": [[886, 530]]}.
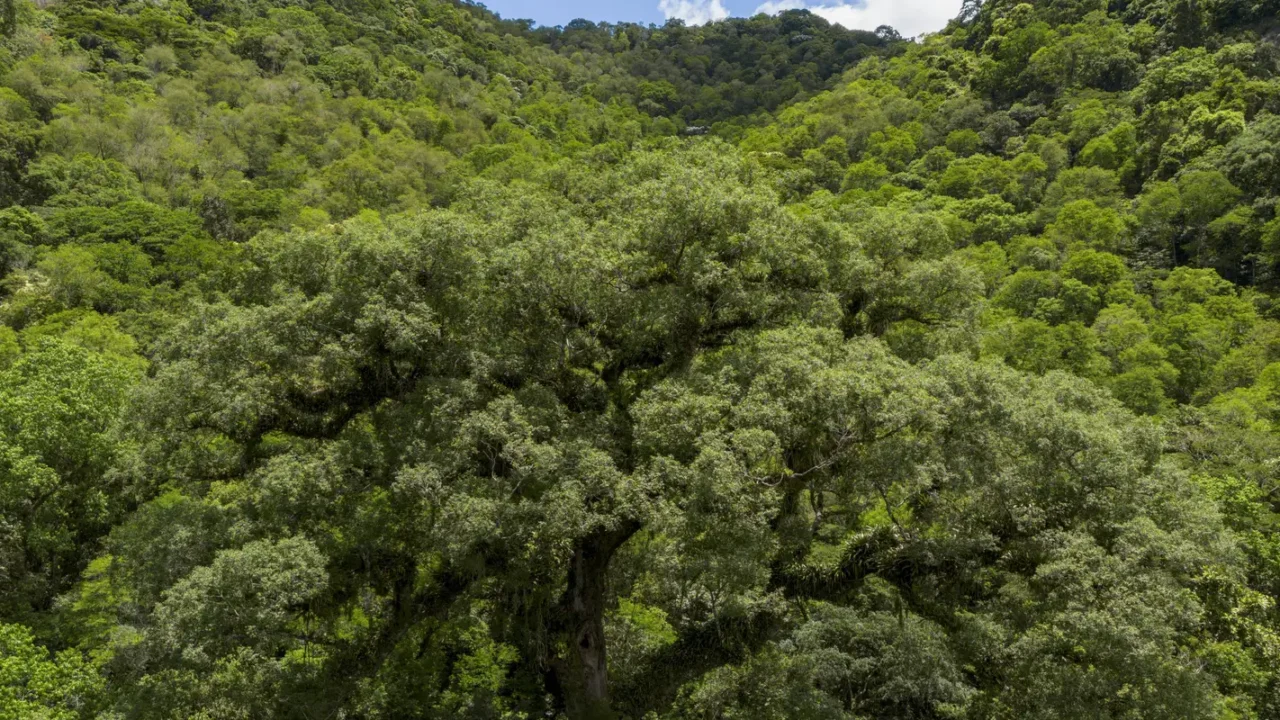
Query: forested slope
{"points": [[395, 360]]}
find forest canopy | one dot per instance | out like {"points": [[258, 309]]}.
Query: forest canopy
{"points": [[369, 359]]}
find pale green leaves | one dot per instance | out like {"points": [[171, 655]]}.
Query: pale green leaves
{"points": [[247, 598], [37, 685]]}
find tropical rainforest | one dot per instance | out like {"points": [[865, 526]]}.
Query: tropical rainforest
{"points": [[388, 359]]}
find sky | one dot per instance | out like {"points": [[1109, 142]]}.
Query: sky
{"points": [[909, 17]]}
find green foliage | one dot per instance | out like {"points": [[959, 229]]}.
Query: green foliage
{"points": [[404, 361], [60, 404], [35, 684]]}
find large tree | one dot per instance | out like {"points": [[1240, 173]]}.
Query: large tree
{"points": [[421, 463]]}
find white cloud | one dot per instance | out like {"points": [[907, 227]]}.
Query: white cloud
{"points": [[694, 12], [909, 17]]}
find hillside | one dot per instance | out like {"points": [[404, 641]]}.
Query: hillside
{"points": [[363, 359]]}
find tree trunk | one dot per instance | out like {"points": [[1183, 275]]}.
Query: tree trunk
{"points": [[8, 17], [582, 668]]}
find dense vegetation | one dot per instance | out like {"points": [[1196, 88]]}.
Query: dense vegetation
{"points": [[394, 360]]}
